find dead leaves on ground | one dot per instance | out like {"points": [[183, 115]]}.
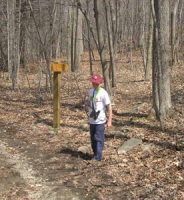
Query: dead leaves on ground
{"points": [[153, 173]]}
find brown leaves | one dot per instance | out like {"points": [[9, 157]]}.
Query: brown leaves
{"points": [[153, 170]]}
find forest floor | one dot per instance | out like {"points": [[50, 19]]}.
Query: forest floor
{"points": [[38, 163]]}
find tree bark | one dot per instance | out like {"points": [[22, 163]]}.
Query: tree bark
{"points": [[89, 43], [101, 47], [78, 39], [174, 39], [43, 48], [149, 49], [69, 33], [111, 47], [161, 69]]}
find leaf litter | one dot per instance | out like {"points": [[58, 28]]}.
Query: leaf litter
{"points": [[152, 173]]}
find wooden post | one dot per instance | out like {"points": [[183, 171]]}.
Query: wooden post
{"points": [[56, 96], [57, 68]]}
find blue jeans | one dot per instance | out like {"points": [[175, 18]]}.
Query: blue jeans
{"points": [[97, 139]]}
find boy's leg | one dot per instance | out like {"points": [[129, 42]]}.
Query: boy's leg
{"points": [[92, 135], [99, 139]]}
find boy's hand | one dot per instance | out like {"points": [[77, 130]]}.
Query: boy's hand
{"points": [[109, 124], [85, 104]]}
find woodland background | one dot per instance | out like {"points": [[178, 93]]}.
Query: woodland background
{"points": [[39, 32]]}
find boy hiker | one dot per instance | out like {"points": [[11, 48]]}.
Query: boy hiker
{"points": [[99, 101]]}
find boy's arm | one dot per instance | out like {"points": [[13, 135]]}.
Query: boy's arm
{"points": [[86, 104], [109, 122]]}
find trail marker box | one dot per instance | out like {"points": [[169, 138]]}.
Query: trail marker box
{"points": [[59, 67]]}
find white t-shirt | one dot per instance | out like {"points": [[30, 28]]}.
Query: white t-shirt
{"points": [[101, 100]]}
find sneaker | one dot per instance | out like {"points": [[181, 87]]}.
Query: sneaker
{"points": [[95, 159]]}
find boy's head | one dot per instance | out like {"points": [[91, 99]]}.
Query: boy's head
{"points": [[96, 81], [96, 78]]}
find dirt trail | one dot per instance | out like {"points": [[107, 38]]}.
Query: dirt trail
{"points": [[11, 182], [19, 179]]}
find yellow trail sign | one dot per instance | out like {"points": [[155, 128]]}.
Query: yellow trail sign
{"points": [[59, 67]]}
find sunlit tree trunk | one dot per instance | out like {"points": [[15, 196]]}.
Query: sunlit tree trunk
{"points": [[10, 31], [44, 50], [91, 31], [78, 39], [89, 42], [101, 47], [142, 34], [13, 29], [115, 22], [174, 39], [111, 47], [69, 34], [161, 69], [131, 35], [149, 49], [23, 33], [17, 49]]}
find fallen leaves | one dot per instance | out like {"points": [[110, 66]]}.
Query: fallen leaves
{"points": [[153, 170]]}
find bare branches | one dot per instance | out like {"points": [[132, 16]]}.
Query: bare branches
{"points": [[84, 12]]}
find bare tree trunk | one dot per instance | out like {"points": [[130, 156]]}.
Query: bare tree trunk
{"points": [[43, 48], [89, 43], [88, 22], [131, 36], [75, 33], [111, 47], [101, 47], [90, 31], [78, 39], [72, 39], [14, 46], [10, 30], [58, 35], [142, 33], [180, 28], [69, 34], [174, 39], [13, 29], [52, 30], [18, 44], [149, 49], [161, 70], [115, 22], [23, 33]]}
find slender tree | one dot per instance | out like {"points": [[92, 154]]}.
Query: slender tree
{"points": [[111, 46], [174, 36], [44, 50], [149, 48], [101, 45]]}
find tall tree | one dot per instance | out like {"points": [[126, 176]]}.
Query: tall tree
{"points": [[44, 50], [111, 46], [100, 42], [101, 45], [161, 69], [89, 40], [149, 48], [13, 30], [174, 36], [75, 30], [78, 39]]}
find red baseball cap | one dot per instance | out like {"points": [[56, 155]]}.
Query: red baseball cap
{"points": [[96, 78]]}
